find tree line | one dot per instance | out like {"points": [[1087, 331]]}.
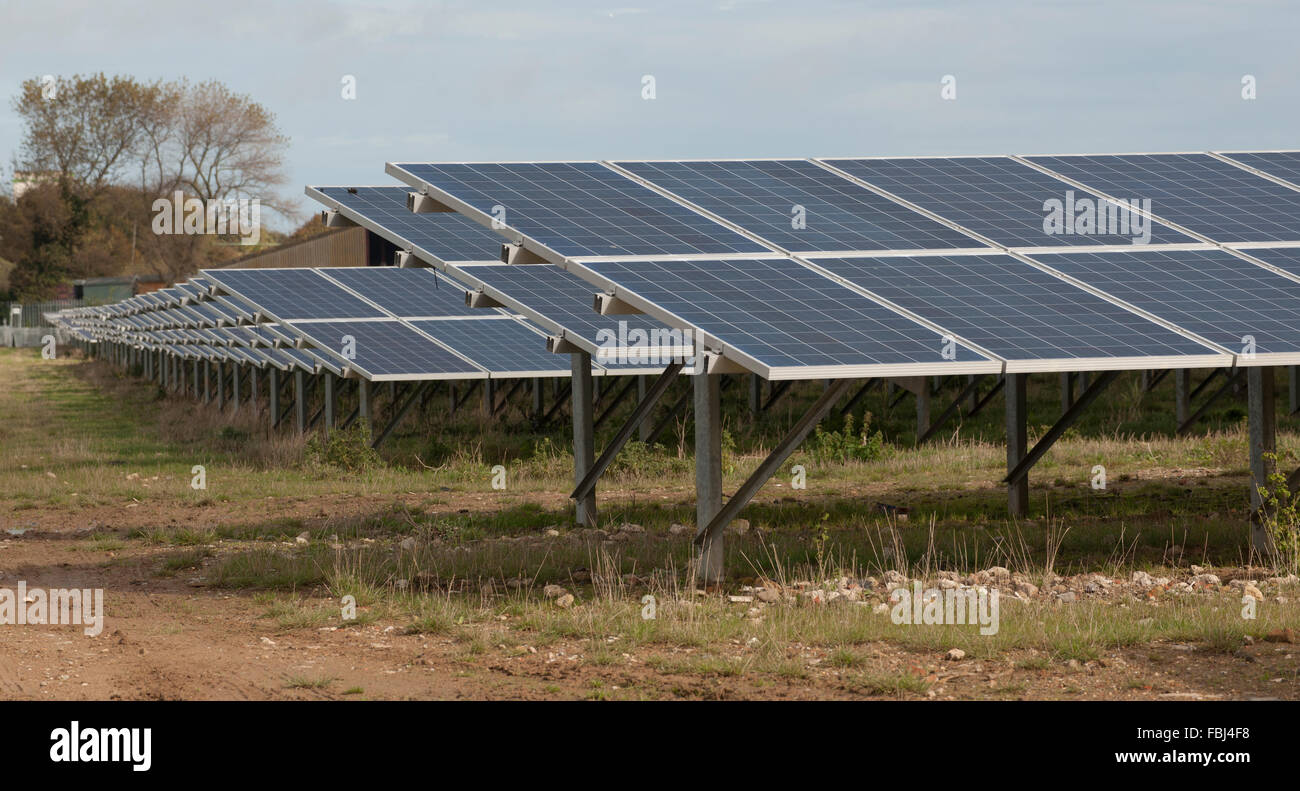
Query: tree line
{"points": [[98, 152]]}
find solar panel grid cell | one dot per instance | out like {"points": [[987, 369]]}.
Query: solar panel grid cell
{"points": [[1209, 292], [406, 292], [799, 205], [1012, 309], [996, 197], [1204, 194], [383, 348], [1279, 164], [560, 296], [782, 313], [582, 209], [449, 236], [294, 293], [499, 345]]}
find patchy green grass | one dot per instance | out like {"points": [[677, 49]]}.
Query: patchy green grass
{"points": [[82, 435]]}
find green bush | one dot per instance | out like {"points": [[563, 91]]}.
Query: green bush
{"points": [[342, 449], [1280, 515], [847, 444]]}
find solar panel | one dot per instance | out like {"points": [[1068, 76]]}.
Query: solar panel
{"points": [[1285, 258], [790, 320], [1209, 292], [244, 355], [212, 312], [579, 208], [503, 346], [212, 353], [295, 357], [1280, 164], [997, 197], [170, 295], [405, 292], [189, 289], [559, 301], [800, 206], [1197, 191], [446, 235], [293, 293], [1020, 313], [564, 298], [385, 350]]}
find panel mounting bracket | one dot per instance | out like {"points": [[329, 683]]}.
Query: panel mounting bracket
{"points": [[610, 305], [420, 203], [559, 345], [477, 299], [331, 218], [516, 253]]}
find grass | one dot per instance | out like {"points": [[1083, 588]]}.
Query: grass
{"points": [[80, 436]]}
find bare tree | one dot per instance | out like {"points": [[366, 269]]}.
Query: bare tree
{"points": [[82, 132], [99, 141], [207, 142]]}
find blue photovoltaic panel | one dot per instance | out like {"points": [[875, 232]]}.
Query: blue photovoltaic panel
{"points": [[243, 354], [781, 313], [1285, 258], [294, 293], [561, 297], [583, 209], [190, 315], [170, 295], [800, 206], [499, 345], [384, 348], [210, 312], [236, 306], [1209, 292], [188, 289], [1279, 164], [405, 292], [295, 357], [1204, 194], [1011, 309], [996, 197], [447, 235], [209, 352]]}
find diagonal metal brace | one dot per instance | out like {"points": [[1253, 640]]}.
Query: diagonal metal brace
{"points": [[798, 433], [1234, 377], [987, 397], [642, 411], [847, 408], [778, 390], [509, 394], [618, 399], [1054, 433], [952, 409], [1155, 380], [411, 393]]}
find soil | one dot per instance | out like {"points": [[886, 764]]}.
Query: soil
{"points": [[164, 639]]}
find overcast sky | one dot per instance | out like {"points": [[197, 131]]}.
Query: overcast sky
{"points": [[504, 80]]}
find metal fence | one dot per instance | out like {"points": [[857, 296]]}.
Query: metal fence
{"points": [[32, 314]]}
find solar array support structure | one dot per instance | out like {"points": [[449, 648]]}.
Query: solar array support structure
{"points": [[745, 237], [893, 267]]}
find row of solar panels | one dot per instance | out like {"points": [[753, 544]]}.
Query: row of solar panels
{"points": [[704, 255], [797, 310], [383, 324], [843, 207]]}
